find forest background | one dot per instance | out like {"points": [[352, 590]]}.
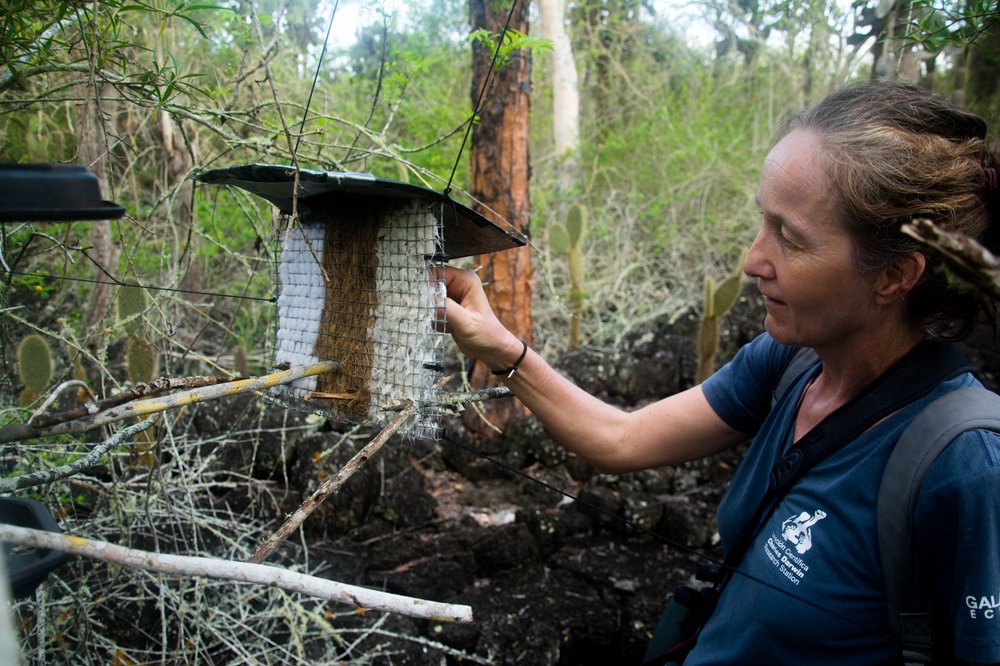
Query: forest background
{"points": [[640, 175]]}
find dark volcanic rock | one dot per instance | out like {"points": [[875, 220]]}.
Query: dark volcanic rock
{"points": [[561, 565]]}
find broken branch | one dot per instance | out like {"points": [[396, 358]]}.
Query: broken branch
{"points": [[261, 574], [332, 485], [967, 259], [139, 408]]}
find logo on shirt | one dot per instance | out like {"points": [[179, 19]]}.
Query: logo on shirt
{"points": [[986, 607], [785, 550], [797, 530]]}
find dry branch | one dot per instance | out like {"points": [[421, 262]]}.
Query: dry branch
{"points": [[139, 408], [332, 485], [261, 574], [12, 484], [969, 260], [138, 391]]}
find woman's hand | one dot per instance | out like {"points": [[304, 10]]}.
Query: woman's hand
{"points": [[681, 427], [472, 323]]}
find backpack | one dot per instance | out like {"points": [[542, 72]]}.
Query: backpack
{"points": [[930, 432]]}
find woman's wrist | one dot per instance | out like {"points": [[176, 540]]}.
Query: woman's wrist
{"points": [[507, 358], [509, 371]]}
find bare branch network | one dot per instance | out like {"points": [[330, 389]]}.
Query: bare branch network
{"points": [[201, 389]]}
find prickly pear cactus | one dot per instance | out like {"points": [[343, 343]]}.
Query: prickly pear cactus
{"points": [[34, 362], [567, 239], [141, 360], [132, 303], [719, 300]]}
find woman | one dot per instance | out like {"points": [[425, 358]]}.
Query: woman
{"points": [[836, 275]]}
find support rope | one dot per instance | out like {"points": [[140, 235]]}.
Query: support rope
{"points": [[487, 80], [319, 65]]}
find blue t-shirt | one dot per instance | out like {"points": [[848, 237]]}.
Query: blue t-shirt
{"points": [[810, 587]]}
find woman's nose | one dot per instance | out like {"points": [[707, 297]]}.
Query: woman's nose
{"points": [[757, 265]]}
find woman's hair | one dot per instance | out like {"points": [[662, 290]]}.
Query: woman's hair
{"points": [[896, 153]]}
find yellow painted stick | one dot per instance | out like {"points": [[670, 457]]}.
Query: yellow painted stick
{"points": [[138, 408]]}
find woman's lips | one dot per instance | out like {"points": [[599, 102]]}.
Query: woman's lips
{"points": [[769, 301]]}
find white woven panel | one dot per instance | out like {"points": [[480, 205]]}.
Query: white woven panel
{"points": [[405, 353]]}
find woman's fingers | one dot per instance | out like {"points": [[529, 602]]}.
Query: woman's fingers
{"points": [[469, 318], [460, 289]]}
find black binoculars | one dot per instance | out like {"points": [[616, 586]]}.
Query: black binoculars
{"points": [[687, 610]]}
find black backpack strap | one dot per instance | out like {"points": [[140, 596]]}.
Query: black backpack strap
{"points": [[910, 378], [933, 429], [801, 361]]}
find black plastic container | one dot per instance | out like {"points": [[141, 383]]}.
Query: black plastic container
{"points": [[28, 567], [52, 192]]}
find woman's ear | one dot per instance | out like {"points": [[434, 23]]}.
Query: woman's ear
{"points": [[898, 280]]}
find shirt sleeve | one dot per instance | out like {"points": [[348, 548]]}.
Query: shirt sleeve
{"points": [[741, 391], [958, 537]]}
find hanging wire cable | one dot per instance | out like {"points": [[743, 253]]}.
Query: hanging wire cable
{"points": [[319, 65], [487, 80], [119, 283]]}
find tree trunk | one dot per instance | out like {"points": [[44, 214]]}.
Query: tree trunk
{"points": [[894, 56], [499, 171], [565, 91], [93, 150], [982, 82]]}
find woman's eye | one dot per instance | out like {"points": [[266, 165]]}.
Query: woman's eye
{"points": [[784, 239]]}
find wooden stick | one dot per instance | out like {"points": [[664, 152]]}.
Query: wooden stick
{"points": [[138, 408], [969, 260], [14, 483], [332, 485], [261, 574]]}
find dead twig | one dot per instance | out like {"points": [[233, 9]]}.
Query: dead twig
{"points": [[155, 387], [457, 399], [12, 484], [206, 567], [140, 408], [966, 258], [332, 485]]}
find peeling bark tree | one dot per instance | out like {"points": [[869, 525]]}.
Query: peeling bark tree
{"points": [[499, 157]]}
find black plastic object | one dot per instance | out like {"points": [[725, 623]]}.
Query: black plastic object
{"points": [[466, 232], [28, 567], [52, 192]]}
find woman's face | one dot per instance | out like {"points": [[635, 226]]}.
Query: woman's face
{"points": [[802, 258]]}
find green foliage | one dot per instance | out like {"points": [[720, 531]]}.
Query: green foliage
{"points": [[512, 41], [34, 363], [937, 24], [26, 38]]}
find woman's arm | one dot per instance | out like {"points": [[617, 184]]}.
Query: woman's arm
{"points": [[678, 428]]}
